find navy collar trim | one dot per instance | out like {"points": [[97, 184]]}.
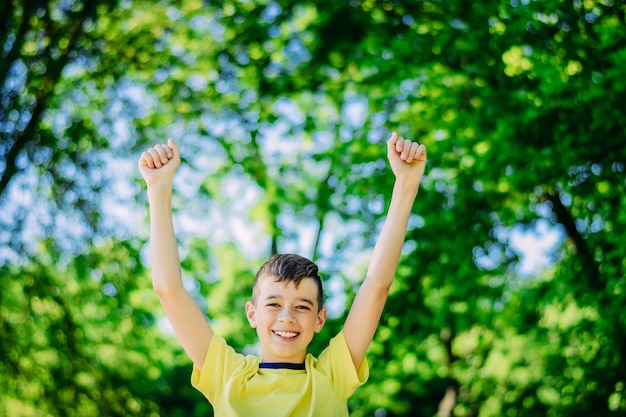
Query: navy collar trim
{"points": [[282, 365]]}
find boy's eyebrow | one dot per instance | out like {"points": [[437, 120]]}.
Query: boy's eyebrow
{"points": [[307, 300]]}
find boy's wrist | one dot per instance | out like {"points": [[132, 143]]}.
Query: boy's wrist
{"points": [[159, 190], [407, 186]]}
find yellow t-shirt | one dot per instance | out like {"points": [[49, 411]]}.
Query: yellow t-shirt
{"points": [[236, 386]]}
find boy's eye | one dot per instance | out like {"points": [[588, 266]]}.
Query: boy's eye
{"points": [[273, 305], [303, 308]]}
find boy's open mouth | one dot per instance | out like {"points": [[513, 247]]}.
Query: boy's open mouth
{"points": [[285, 334]]}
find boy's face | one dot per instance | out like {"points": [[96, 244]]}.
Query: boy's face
{"points": [[285, 318]]}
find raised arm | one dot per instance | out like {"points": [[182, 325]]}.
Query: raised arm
{"points": [[407, 160], [158, 166]]}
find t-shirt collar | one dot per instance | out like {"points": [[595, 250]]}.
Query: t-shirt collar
{"points": [[282, 365]]}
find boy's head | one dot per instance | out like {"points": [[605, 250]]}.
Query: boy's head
{"points": [[289, 268], [286, 308]]}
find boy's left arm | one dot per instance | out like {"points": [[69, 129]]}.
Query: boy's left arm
{"points": [[407, 160]]}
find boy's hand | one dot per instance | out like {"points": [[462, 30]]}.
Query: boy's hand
{"points": [[407, 159], [158, 165]]}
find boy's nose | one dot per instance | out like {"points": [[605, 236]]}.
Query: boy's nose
{"points": [[285, 315]]}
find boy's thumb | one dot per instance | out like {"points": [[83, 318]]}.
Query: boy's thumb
{"points": [[173, 146], [391, 143]]}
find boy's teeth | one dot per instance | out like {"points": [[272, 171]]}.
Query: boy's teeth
{"points": [[287, 334]]}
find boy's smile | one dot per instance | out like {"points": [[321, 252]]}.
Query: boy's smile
{"points": [[286, 317]]}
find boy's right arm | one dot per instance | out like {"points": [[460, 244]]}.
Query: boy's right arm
{"points": [[158, 166]]}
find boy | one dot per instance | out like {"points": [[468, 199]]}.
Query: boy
{"points": [[286, 307]]}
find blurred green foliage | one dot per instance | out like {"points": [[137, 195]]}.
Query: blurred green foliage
{"points": [[282, 109]]}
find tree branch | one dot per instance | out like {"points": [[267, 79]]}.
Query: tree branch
{"points": [[564, 217], [54, 68], [449, 400]]}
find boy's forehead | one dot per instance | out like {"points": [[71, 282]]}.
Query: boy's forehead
{"points": [[268, 284]]}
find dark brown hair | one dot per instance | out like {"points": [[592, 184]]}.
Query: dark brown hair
{"points": [[290, 268]]}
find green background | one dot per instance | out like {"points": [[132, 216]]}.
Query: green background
{"points": [[281, 110]]}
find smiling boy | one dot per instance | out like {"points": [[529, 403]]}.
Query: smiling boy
{"points": [[286, 308]]}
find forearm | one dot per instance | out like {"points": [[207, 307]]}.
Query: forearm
{"points": [[408, 161], [166, 273], [368, 305], [388, 247]]}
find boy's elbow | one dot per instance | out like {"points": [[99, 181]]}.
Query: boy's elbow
{"points": [[376, 286], [165, 289]]}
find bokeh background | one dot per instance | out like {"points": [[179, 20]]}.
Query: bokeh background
{"points": [[509, 299]]}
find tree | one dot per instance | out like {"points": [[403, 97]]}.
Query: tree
{"points": [[77, 319], [282, 109]]}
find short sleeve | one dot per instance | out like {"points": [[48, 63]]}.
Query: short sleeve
{"points": [[221, 362], [336, 361]]}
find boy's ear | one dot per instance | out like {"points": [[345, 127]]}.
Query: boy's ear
{"points": [[250, 312], [321, 319]]}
